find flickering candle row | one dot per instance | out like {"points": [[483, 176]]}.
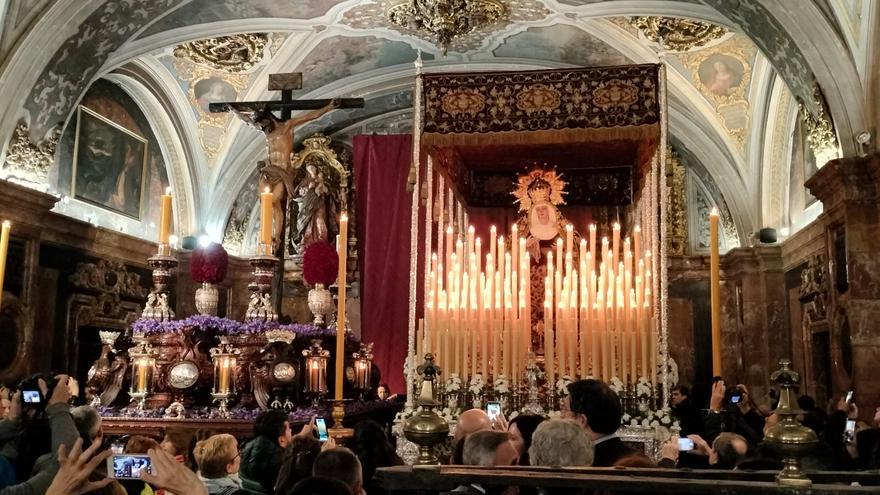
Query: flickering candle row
{"points": [[598, 318], [4, 249]]}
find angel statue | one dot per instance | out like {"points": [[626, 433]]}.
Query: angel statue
{"points": [[104, 379], [278, 175]]}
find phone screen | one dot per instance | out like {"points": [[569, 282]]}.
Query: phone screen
{"points": [[494, 410], [685, 444], [735, 398], [128, 466], [321, 425], [849, 396], [850, 426], [30, 396]]}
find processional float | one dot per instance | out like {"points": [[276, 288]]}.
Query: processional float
{"points": [[538, 251]]}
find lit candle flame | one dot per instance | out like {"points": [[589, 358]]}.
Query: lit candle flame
{"points": [[714, 212], [168, 191]]}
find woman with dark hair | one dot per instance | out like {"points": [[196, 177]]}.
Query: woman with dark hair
{"points": [[521, 429], [372, 447], [296, 465]]}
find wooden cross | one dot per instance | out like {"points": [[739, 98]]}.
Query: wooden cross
{"points": [[286, 83]]}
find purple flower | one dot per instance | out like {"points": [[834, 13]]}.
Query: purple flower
{"points": [[148, 326]]}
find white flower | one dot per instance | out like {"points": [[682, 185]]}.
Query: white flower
{"points": [[655, 423], [502, 385], [513, 414], [666, 420], [554, 414], [453, 383], [626, 418], [634, 422], [476, 385], [562, 386], [646, 422], [616, 384]]}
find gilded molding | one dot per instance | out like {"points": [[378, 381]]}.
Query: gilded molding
{"points": [[28, 161], [108, 277], [235, 53], [820, 130], [677, 223], [676, 34]]}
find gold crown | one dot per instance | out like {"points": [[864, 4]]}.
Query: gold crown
{"points": [[280, 335]]}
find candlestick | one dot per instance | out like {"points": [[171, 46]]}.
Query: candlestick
{"points": [[266, 220], [715, 290], [342, 251], [165, 217], [4, 250]]}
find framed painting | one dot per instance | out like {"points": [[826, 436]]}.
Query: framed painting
{"points": [[109, 164]]}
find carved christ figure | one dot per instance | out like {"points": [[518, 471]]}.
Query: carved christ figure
{"points": [[277, 175]]}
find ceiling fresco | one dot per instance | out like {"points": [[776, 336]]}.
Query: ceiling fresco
{"points": [[349, 48], [562, 43], [208, 11]]}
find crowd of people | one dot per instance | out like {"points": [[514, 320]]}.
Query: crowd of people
{"points": [[57, 449]]}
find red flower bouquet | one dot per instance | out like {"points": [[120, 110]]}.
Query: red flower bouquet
{"points": [[208, 264], [320, 264]]}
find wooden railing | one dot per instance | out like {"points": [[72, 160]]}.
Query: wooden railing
{"points": [[622, 480]]}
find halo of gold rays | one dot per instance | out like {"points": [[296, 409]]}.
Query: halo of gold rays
{"points": [[549, 176]]}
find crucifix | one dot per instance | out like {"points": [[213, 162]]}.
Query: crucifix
{"points": [[276, 176]]}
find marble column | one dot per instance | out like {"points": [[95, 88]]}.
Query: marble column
{"points": [[848, 189]]}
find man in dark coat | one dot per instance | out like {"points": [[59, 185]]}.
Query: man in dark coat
{"points": [[261, 457], [597, 408]]}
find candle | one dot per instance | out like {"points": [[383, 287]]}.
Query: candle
{"points": [[165, 217], [715, 291], [615, 243], [224, 375], [266, 220], [4, 249], [482, 324], [449, 246], [493, 236], [569, 238], [315, 379], [342, 251], [593, 238], [141, 375]]}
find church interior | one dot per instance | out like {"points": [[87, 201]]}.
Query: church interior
{"points": [[640, 229]]}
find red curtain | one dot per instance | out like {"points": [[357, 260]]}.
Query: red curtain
{"points": [[381, 168]]}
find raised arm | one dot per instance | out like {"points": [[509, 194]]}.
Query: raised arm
{"points": [[314, 114]]}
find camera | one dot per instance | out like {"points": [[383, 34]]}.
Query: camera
{"points": [[31, 395]]}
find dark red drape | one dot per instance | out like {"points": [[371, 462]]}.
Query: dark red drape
{"points": [[381, 168]]}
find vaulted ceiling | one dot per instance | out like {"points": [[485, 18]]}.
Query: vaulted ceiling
{"points": [[737, 131]]}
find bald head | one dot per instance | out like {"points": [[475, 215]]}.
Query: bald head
{"points": [[472, 421]]}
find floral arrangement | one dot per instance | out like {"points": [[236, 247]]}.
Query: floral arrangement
{"points": [[208, 264], [477, 384], [453, 383], [651, 419], [562, 386], [320, 264], [501, 385]]}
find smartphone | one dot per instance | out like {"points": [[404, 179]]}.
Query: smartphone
{"points": [[31, 396], [735, 398], [849, 396], [493, 409], [321, 425], [128, 466], [685, 444]]}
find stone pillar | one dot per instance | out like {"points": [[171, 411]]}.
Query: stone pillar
{"points": [[848, 189], [755, 333]]}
